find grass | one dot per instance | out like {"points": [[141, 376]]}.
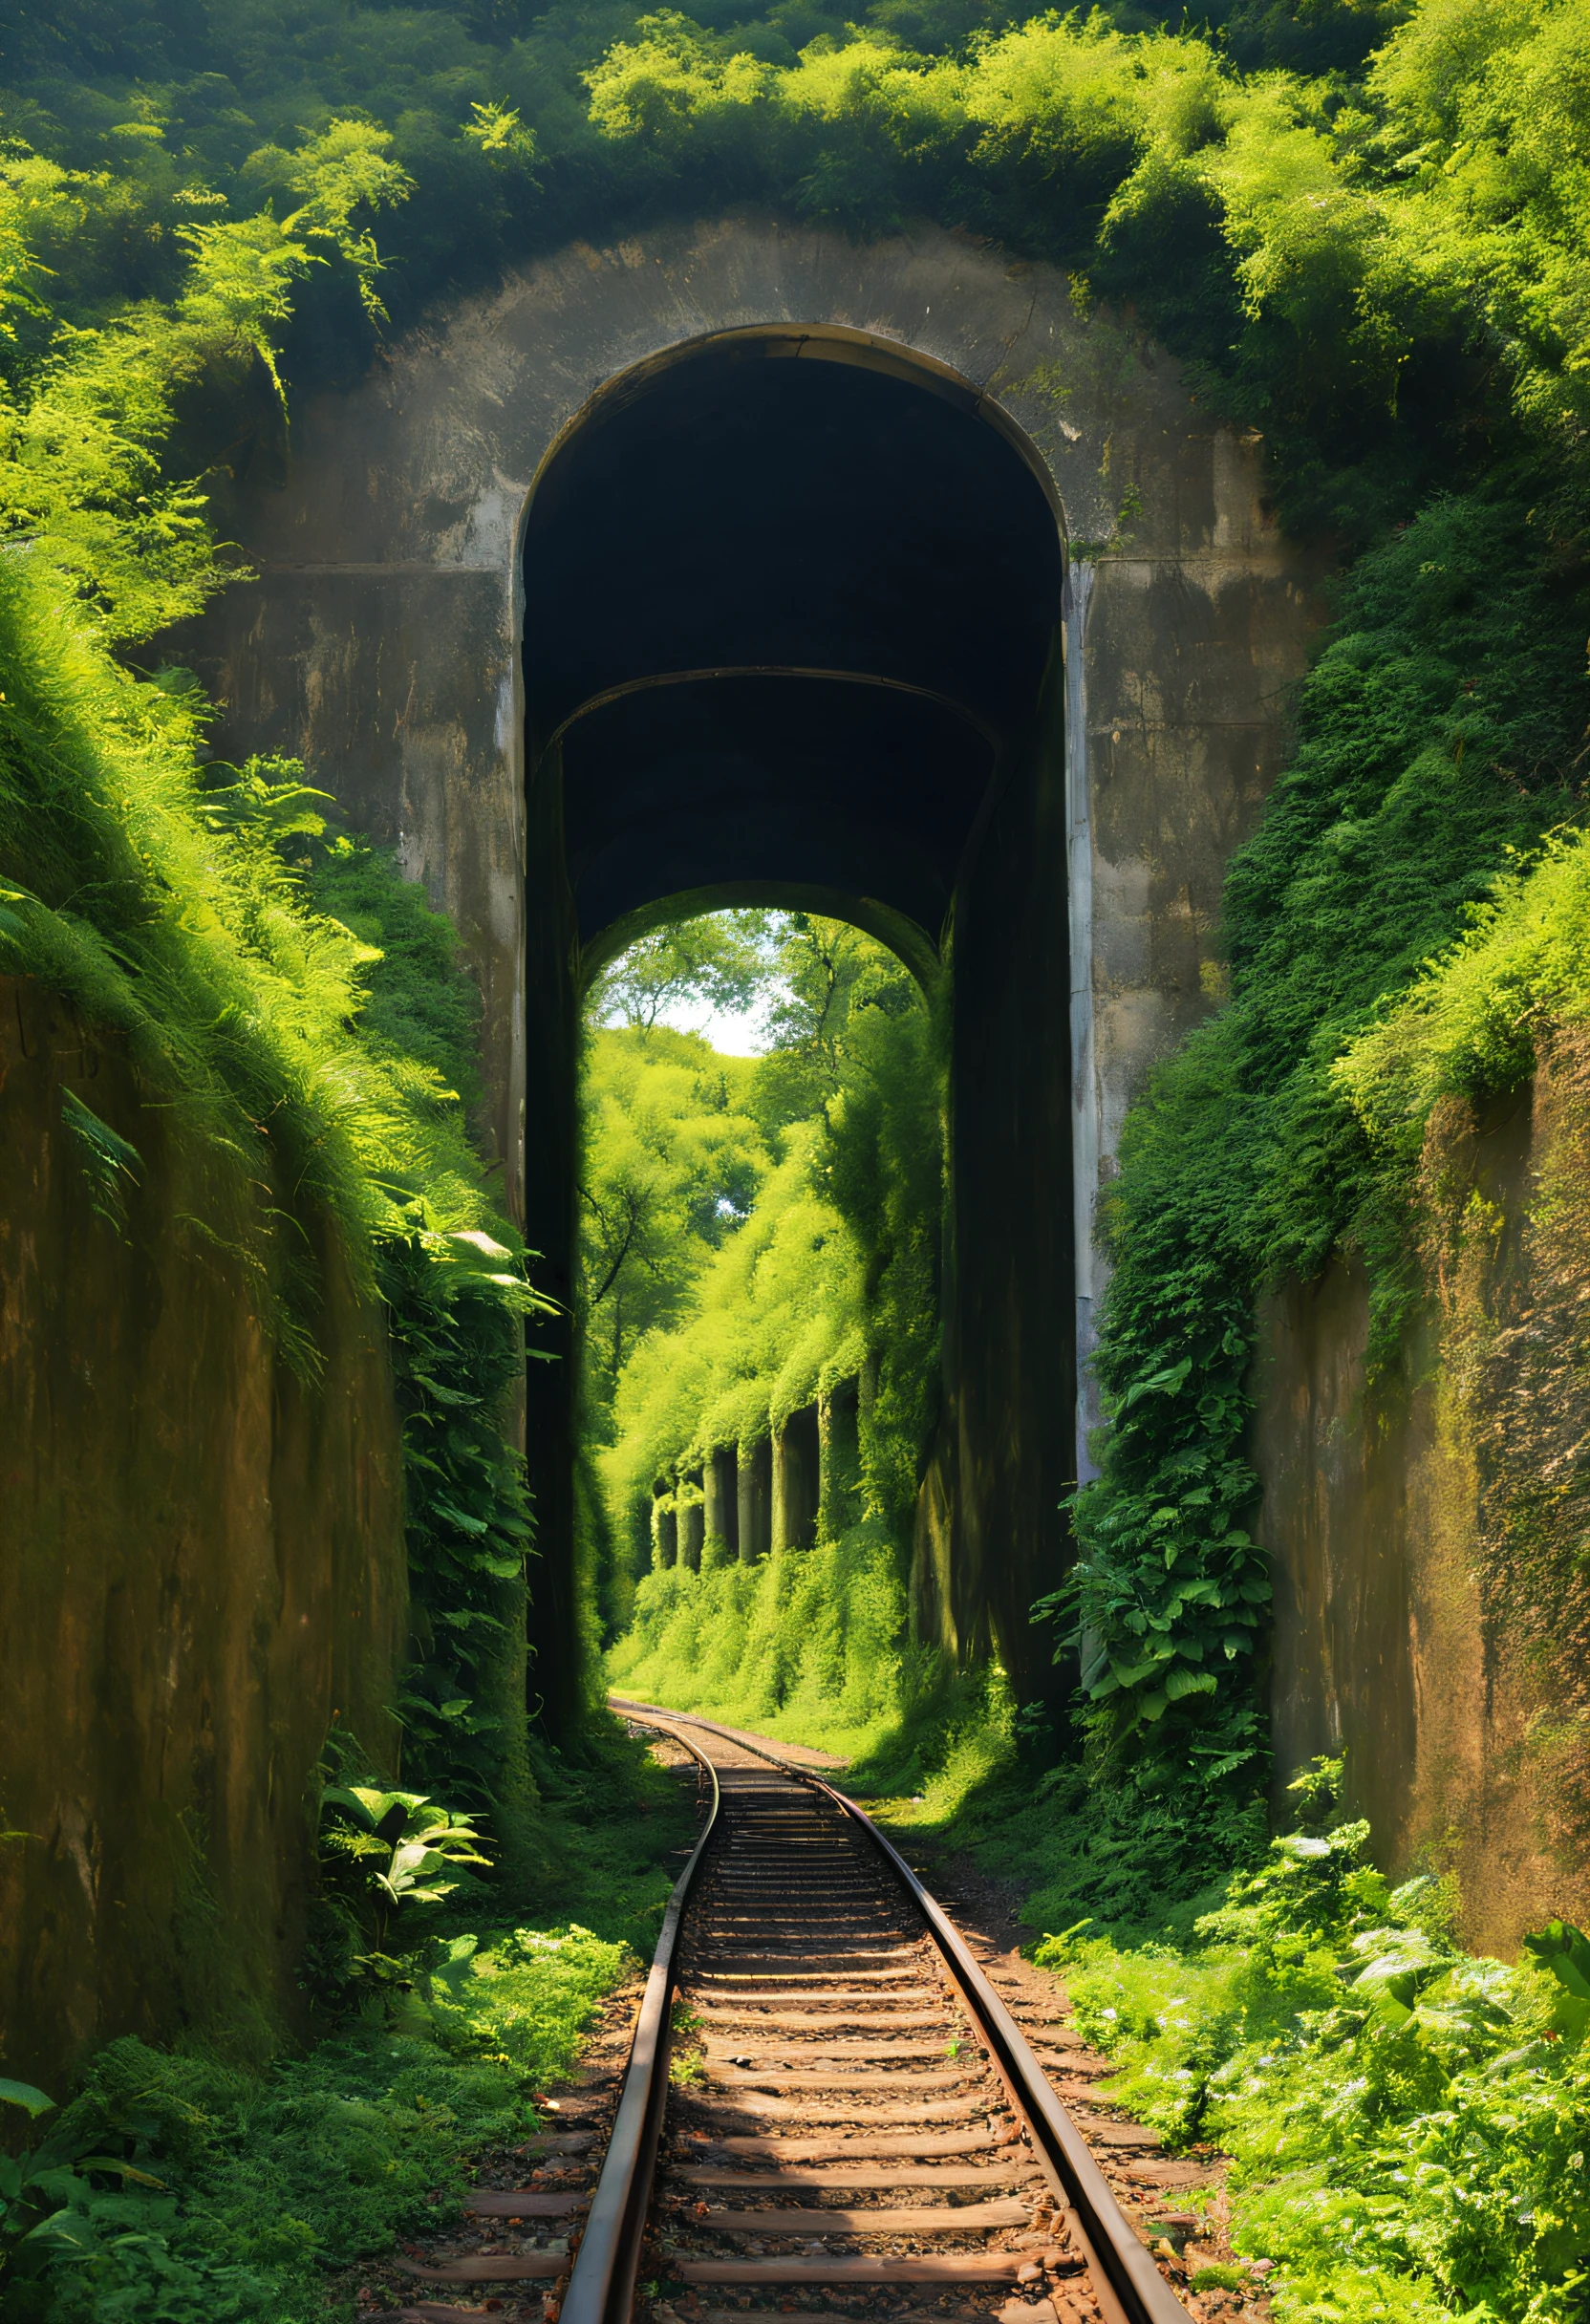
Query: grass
{"points": [[254, 2185], [222, 2191], [803, 1648]]}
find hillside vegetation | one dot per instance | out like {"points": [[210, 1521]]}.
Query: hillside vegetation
{"points": [[1367, 232], [787, 1217], [299, 1016], [1365, 227]]}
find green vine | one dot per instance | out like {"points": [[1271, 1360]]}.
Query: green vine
{"points": [[457, 1301], [458, 1351], [1439, 732]]}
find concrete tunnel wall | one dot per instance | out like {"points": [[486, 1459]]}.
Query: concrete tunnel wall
{"points": [[200, 1568], [381, 644]]}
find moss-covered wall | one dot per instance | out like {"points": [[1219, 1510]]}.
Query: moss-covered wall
{"points": [[201, 1564], [1433, 1608]]}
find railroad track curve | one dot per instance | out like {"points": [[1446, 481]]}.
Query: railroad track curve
{"points": [[826, 2103]]}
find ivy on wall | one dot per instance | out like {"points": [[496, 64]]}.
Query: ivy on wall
{"points": [[1499, 1214], [458, 1348], [1440, 731]]}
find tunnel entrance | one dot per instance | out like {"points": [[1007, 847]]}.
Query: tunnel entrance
{"points": [[792, 605], [789, 599]]}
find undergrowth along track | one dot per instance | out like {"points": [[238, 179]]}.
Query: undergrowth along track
{"points": [[825, 2103]]}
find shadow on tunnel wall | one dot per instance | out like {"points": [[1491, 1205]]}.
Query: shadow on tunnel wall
{"points": [[792, 636], [991, 1532]]}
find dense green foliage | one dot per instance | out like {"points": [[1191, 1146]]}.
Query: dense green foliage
{"points": [[718, 961], [816, 1247], [1441, 728], [179, 2190], [151, 889], [457, 1352], [179, 904], [467, 1523], [1329, 253], [795, 1206], [298, 1017], [108, 365], [1407, 2122], [1100, 143], [160, 891], [1480, 1018], [290, 1002], [673, 1159], [1368, 230], [1377, 266], [811, 1646]]}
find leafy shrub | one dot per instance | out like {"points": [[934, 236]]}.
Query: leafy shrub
{"points": [[1407, 2123], [392, 1848], [1138, 1864], [525, 1997], [808, 1646], [175, 2189]]}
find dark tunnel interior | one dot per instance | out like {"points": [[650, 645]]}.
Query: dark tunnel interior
{"points": [[789, 600]]}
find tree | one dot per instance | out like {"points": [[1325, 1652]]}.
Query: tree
{"points": [[831, 1260], [722, 960], [672, 1165], [825, 975]]}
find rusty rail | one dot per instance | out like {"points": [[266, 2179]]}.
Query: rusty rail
{"points": [[601, 2286], [1129, 2286], [1114, 2255]]}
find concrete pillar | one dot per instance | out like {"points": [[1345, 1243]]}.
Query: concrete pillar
{"points": [[640, 1538], [691, 1521], [839, 1435], [665, 1529], [721, 1545], [797, 1473], [754, 1496]]}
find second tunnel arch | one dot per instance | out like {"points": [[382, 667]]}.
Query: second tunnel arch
{"points": [[791, 596], [793, 633]]}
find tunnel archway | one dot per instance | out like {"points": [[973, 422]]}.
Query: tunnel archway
{"points": [[791, 596], [792, 634]]}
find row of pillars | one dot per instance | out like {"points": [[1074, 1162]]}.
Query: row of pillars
{"points": [[778, 1493]]}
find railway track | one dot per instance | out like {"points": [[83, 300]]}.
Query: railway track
{"points": [[825, 2104]]}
